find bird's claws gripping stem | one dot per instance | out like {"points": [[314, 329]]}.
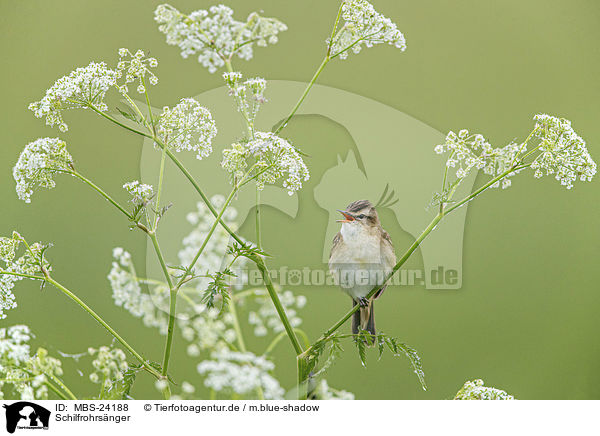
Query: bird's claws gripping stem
{"points": [[363, 302]]}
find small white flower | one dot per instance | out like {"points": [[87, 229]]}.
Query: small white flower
{"points": [[273, 158], [141, 193], [38, 163], [109, 364], [188, 126], [265, 317], [363, 26], [240, 373], [83, 87], [135, 66], [213, 35], [475, 390], [248, 95]]}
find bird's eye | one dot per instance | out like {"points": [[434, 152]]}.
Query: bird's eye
{"points": [[361, 216]]}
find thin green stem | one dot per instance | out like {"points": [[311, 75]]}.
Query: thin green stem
{"points": [[257, 222], [62, 386], [282, 335], [212, 229], [160, 185], [94, 315], [112, 119], [236, 326], [277, 303], [304, 94], [102, 193]]}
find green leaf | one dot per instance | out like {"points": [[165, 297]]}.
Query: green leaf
{"points": [[119, 389], [130, 116]]}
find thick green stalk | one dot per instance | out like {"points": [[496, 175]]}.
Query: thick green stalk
{"points": [[94, 315]]}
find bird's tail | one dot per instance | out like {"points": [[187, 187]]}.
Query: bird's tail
{"points": [[364, 319]]}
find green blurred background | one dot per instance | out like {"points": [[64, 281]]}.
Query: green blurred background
{"points": [[526, 319]]}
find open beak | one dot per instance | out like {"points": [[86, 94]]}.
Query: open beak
{"points": [[348, 217]]}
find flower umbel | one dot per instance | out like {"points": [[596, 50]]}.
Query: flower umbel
{"points": [[135, 66], [214, 36], [475, 390], [248, 95], [38, 163], [140, 193], [363, 26], [81, 88], [13, 268], [270, 158], [240, 373], [188, 126], [563, 152]]}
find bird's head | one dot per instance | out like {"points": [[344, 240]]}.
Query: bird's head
{"points": [[360, 213]]}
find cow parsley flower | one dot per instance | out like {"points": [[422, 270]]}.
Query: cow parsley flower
{"points": [[38, 163], [109, 365], [240, 373], [363, 26], [563, 152], [32, 262], [140, 193], [214, 36], [26, 374], [265, 317], [83, 87], [468, 152], [188, 126], [325, 392], [135, 67], [248, 95], [270, 158], [475, 390], [128, 294]]}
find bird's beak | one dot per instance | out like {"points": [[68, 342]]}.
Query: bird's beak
{"points": [[346, 215]]}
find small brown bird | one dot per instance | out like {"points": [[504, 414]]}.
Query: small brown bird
{"points": [[361, 256]]}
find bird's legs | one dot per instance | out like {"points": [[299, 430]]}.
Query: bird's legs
{"points": [[363, 302]]}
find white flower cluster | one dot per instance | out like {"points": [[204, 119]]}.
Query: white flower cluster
{"points": [[135, 66], [209, 330], [128, 294], [140, 193], [109, 365], [25, 373], [29, 263], [213, 35], [265, 318], [248, 95], [475, 390], [472, 151], [188, 126], [363, 25], [38, 163], [325, 392], [240, 373], [563, 152], [82, 87], [272, 158]]}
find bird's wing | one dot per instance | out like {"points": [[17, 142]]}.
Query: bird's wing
{"points": [[337, 239], [387, 240]]}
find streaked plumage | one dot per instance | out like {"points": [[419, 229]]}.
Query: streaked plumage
{"points": [[361, 256]]}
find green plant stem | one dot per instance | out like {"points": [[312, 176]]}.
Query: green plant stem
{"points": [[277, 302], [212, 229], [282, 335], [94, 315], [101, 192], [62, 386], [172, 303], [257, 259], [236, 326], [304, 94], [257, 223]]}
